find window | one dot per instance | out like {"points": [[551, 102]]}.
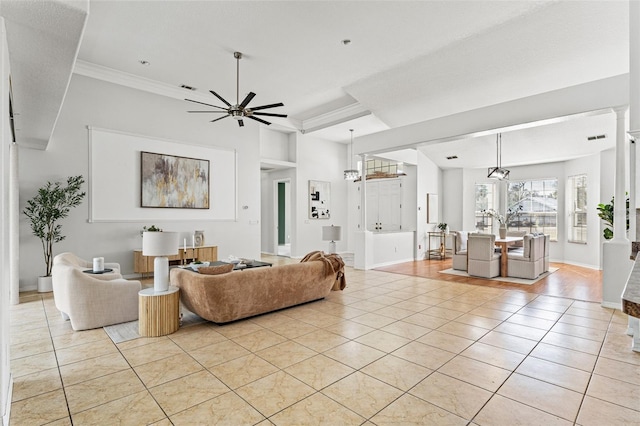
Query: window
{"points": [[577, 188], [537, 201], [485, 200]]}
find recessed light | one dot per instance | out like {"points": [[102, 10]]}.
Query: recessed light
{"points": [[144, 62]]}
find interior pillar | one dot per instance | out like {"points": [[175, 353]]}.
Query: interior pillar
{"points": [[14, 226]]}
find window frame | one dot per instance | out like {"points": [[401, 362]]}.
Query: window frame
{"points": [[529, 220]]}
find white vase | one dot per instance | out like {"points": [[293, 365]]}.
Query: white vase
{"points": [[503, 232], [45, 284]]}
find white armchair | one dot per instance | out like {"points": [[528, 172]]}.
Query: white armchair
{"points": [[483, 261], [460, 250], [92, 300], [531, 261]]}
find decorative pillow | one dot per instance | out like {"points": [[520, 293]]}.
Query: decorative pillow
{"points": [[463, 237], [216, 270]]}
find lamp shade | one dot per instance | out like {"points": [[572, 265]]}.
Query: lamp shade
{"points": [[159, 243], [331, 233]]}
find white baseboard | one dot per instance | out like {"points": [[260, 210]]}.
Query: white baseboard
{"points": [[612, 305], [582, 265]]}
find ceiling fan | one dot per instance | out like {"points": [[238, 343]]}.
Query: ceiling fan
{"points": [[240, 110]]}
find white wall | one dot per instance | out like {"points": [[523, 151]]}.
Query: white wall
{"points": [[452, 207], [96, 103], [427, 182]]}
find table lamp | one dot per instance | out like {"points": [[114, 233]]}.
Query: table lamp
{"points": [[160, 244], [332, 234]]}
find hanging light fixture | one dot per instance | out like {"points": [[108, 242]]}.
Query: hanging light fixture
{"points": [[351, 174], [498, 172]]}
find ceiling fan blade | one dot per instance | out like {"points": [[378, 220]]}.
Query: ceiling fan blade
{"points": [[267, 106], [240, 123], [246, 100], [220, 97], [198, 102], [220, 118], [258, 119], [224, 112], [268, 114]]}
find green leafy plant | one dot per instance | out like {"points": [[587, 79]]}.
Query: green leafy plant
{"points": [[51, 204], [442, 226], [605, 212], [152, 228]]}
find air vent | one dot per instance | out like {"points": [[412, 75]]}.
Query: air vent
{"points": [[184, 86], [452, 157], [596, 137]]}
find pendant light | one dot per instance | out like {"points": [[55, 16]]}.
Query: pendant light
{"points": [[498, 172], [351, 174]]}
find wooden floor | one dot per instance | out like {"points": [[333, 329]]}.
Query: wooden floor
{"points": [[568, 281]]}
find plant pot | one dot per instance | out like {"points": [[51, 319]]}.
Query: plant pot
{"points": [[503, 232], [45, 284]]}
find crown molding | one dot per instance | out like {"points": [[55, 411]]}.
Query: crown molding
{"points": [[331, 118]]}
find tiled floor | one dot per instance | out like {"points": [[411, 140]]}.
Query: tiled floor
{"points": [[389, 349]]}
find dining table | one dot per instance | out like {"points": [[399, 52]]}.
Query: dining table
{"points": [[504, 244]]}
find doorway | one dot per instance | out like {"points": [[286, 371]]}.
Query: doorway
{"points": [[282, 216]]}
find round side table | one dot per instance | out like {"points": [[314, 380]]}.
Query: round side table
{"points": [[158, 312]]}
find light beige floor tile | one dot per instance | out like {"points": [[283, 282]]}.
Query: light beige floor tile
{"points": [[321, 340], [412, 305], [409, 410], [166, 369], [29, 335], [40, 409], [274, 392], [152, 352], [286, 354], [80, 337], [444, 313], [237, 329], [317, 410], [383, 341], [571, 342], [365, 305], [595, 412], [446, 341], [622, 371], [615, 391], [523, 331], [349, 329], [385, 299], [373, 320], [424, 355], [407, 330], [92, 368], [188, 391], [293, 329], [502, 306], [491, 313], [35, 347], [354, 354], [579, 331], [203, 336], [479, 321], [475, 372], [503, 411], [567, 377], [426, 321], [218, 353], [33, 364], [85, 351], [259, 340], [271, 319], [455, 396], [139, 408], [142, 341], [542, 324], [570, 358], [61, 422], [319, 319], [498, 357], [463, 330], [395, 312], [616, 346], [163, 422], [544, 396], [456, 305], [241, 371], [319, 371], [509, 342], [92, 393], [601, 314], [551, 307], [362, 394], [585, 322], [550, 315], [397, 372], [34, 384]]}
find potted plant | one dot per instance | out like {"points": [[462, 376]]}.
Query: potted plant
{"points": [[443, 227], [605, 212], [51, 204]]}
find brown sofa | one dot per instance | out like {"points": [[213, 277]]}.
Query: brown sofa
{"points": [[241, 294]]}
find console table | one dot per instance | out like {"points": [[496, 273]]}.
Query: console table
{"points": [[144, 264], [440, 249]]}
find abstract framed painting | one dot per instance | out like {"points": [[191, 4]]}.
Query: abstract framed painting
{"points": [[169, 181], [319, 200]]}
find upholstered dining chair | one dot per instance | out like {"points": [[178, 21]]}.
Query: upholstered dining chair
{"points": [[483, 261], [92, 300], [530, 262], [459, 256]]}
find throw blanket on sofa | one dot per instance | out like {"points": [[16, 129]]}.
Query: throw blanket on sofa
{"points": [[333, 264]]}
